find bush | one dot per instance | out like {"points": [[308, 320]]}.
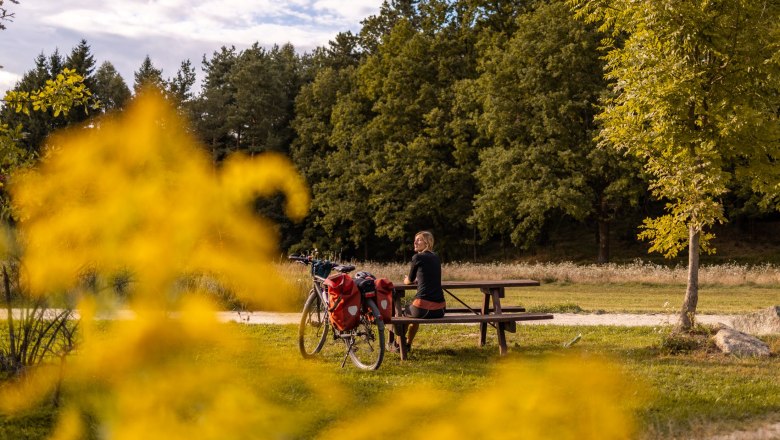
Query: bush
{"points": [[35, 332], [676, 341]]}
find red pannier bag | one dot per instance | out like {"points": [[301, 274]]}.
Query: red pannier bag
{"points": [[384, 298], [343, 302]]}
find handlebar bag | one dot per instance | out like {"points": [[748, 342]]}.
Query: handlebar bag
{"points": [[384, 298], [366, 286], [343, 302]]}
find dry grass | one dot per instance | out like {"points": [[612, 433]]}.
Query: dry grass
{"points": [[638, 287], [730, 274]]}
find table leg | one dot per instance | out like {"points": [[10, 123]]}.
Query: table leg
{"points": [[485, 310], [399, 329], [496, 293], [501, 339], [401, 337]]}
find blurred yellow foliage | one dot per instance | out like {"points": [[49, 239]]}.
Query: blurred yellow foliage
{"points": [[558, 398], [136, 193]]}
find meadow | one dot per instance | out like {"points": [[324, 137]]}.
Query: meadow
{"points": [[638, 287], [681, 395], [686, 392]]}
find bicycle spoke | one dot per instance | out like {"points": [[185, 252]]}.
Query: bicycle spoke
{"points": [[314, 326], [367, 346]]}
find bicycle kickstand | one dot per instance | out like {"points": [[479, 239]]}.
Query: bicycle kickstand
{"points": [[349, 348]]}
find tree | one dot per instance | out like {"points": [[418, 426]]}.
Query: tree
{"points": [[266, 84], [5, 15], [330, 117], [148, 76], [180, 86], [393, 137], [110, 88], [37, 125], [407, 141], [59, 96], [82, 62], [538, 90], [696, 98], [376, 27], [216, 102]]}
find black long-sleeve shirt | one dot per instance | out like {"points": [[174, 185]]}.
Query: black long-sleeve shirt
{"points": [[426, 270]]}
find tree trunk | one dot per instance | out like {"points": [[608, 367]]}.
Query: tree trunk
{"points": [[603, 257], [688, 311]]}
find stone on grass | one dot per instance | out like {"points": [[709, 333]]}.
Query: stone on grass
{"points": [[763, 322], [731, 341]]}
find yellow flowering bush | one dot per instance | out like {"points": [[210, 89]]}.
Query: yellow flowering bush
{"points": [[558, 398], [136, 194]]}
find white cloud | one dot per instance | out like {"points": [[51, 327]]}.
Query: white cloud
{"points": [[7, 80], [169, 31]]}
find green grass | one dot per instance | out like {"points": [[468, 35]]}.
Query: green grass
{"points": [[644, 298], [694, 394], [565, 297]]}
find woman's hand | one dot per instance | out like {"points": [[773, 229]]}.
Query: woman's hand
{"points": [[407, 280]]}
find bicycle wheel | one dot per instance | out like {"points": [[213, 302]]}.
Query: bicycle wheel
{"points": [[367, 343], [314, 325]]}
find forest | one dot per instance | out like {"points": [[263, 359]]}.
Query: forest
{"points": [[502, 126]]}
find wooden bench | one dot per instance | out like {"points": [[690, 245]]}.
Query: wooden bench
{"points": [[502, 318], [491, 310], [472, 319], [505, 322]]}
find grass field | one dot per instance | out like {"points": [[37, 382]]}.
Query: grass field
{"points": [[632, 288], [688, 394]]}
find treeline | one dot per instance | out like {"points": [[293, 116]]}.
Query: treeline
{"points": [[470, 118]]}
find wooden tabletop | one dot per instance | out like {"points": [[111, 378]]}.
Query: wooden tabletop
{"points": [[477, 284]]}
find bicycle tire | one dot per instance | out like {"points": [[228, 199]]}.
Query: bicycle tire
{"points": [[314, 327], [367, 344]]}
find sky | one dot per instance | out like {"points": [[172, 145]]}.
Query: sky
{"points": [[124, 32]]}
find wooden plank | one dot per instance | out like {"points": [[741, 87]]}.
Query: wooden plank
{"points": [[477, 284], [510, 309], [465, 319]]}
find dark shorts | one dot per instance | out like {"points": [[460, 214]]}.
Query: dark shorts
{"points": [[416, 312]]}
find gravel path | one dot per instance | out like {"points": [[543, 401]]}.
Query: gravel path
{"points": [[573, 319], [622, 319]]}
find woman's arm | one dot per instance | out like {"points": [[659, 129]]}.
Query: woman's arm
{"points": [[412, 277]]}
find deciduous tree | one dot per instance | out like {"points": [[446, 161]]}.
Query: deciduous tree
{"points": [[538, 91], [696, 98]]}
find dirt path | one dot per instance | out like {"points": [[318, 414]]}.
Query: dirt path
{"points": [[573, 319]]}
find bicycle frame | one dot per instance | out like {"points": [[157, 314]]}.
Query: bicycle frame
{"points": [[364, 343]]}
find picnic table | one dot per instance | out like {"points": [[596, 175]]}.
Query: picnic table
{"points": [[503, 318]]}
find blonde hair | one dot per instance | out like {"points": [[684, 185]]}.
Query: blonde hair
{"points": [[427, 238]]}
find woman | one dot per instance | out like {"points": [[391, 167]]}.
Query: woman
{"points": [[426, 272]]}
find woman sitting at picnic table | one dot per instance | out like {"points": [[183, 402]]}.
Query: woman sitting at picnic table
{"points": [[426, 271]]}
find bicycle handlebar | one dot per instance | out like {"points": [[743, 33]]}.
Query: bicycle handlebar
{"points": [[303, 259]]}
